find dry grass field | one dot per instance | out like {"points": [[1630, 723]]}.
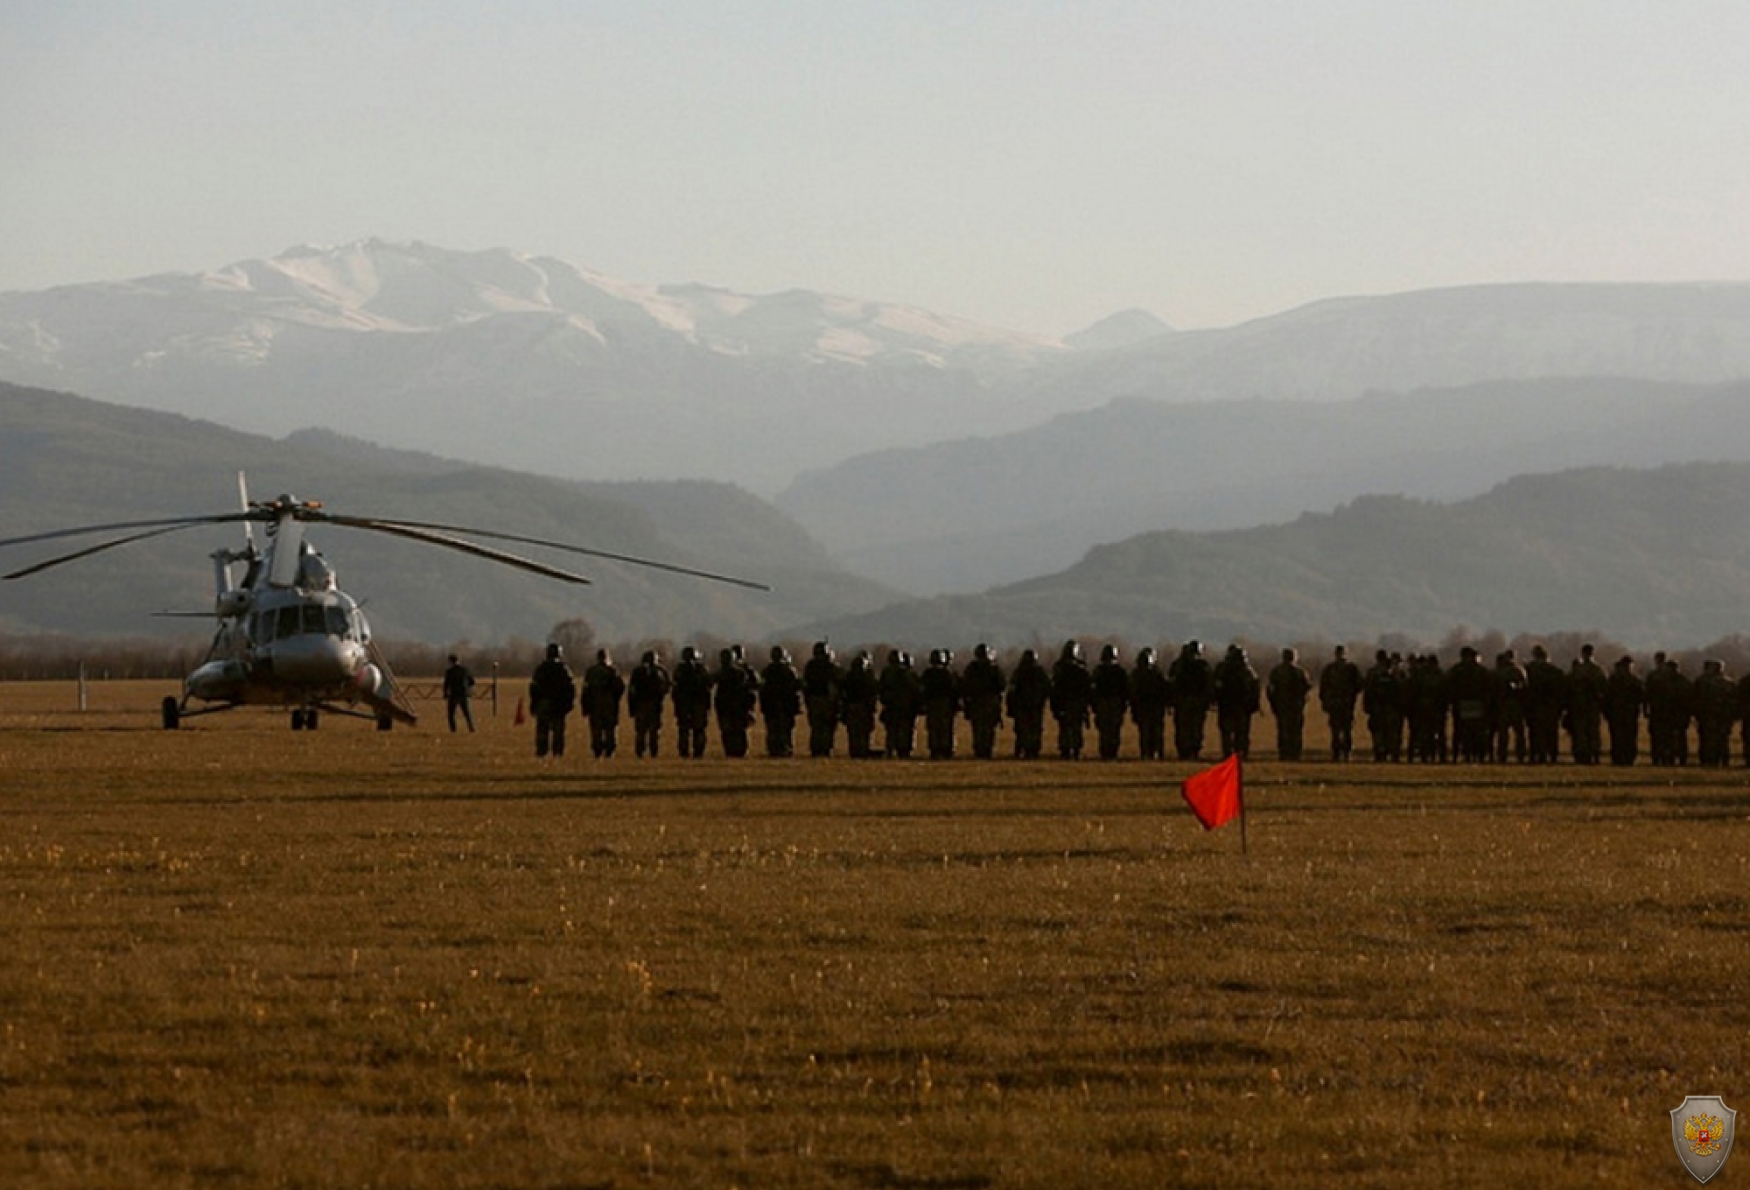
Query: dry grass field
{"points": [[238, 956]]}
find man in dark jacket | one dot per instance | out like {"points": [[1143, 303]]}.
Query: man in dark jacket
{"points": [[981, 694], [820, 699], [1071, 694], [552, 694], [1111, 698], [735, 694], [1287, 691], [602, 689], [902, 700], [1151, 696], [1193, 686], [646, 691], [1238, 696], [780, 703], [1029, 695], [692, 702], [941, 699], [1339, 689]]}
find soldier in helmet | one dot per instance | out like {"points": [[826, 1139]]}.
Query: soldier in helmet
{"points": [[1071, 699], [734, 697], [1111, 698], [1237, 698], [1288, 688], [941, 697], [1029, 694], [902, 699], [602, 688], [820, 697], [552, 694], [646, 691], [1151, 695], [1193, 685], [780, 703], [692, 702], [858, 699], [981, 694]]}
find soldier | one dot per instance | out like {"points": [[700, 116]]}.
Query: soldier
{"points": [[1237, 699], [1623, 696], [1509, 720], [1382, 701], [1586, 687], [1287, 690], [981, 693], [1071, 690], [1339, 688], [858, 698], [1425, 701], [820, 697], [735, 695], [1468, 686], [780, 702], [602, 688], [458, 690], [1151, 695], [901, 700], [1546, 695], [692, 702], [1659, 690], [941, 695], [1192, 682], [1029, 694], [1716, 709], [645, 692], [1110, 687], [1682, 710], [552, 694]]}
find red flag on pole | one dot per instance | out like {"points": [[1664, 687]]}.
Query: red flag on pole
{"points": [[1214, 795]]}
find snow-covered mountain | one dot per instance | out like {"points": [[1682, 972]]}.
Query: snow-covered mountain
{"points": [[523, 360]]}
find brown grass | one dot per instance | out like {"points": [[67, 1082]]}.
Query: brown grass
{"points": [[242, 957]]}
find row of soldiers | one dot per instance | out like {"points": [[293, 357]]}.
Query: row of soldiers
{"points": [[1415, 709]]}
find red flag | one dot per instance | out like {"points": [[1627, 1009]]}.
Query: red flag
{"points": [[1214, 794]]}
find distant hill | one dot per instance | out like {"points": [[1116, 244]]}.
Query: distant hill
{"points": [[1649, 557], [967, 515], [1123, 329], [66, 461]]}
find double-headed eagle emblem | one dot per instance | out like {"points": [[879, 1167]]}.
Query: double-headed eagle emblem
{"points": [[1701, 1129]]}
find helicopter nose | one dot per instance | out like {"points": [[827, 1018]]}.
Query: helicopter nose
{"points": [[316, 659]]}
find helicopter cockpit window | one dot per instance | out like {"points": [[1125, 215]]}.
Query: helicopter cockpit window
{"points": [[315, 623], [286, 625], [336, 621]]}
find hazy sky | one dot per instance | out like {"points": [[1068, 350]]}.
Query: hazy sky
{"points": [[1030, 164]]}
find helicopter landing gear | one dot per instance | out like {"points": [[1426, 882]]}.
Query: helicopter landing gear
{"points": [[171, 712], [304, 719], [385, 723]]}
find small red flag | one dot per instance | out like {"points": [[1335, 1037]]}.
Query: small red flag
{"points": [[1214, 794]]}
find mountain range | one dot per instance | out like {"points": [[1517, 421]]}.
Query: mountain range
{"points": [[1649, 558]]}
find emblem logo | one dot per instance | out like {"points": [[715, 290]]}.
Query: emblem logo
{"points": [[1702, 1128]]}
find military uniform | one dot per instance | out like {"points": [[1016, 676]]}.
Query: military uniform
{"points": [[858, 699], [1192, 682], [602, 688], [692, 702], [1029, 695], [1286, 690], [735, 693], [552, 694], [780, 703], [820, 699], [1071, 692], [1151, 696], [901, 701], [1339, 689], [941, 695], [1237, 699], [1111, 698], [646, 691], [981, 694]]}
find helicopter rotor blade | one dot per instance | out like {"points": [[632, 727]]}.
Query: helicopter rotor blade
{"points": [[375, 523], [169, 523], [420, 533], [101, 546]]}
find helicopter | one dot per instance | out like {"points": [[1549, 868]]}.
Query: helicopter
{"points": [[287, 634]]}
